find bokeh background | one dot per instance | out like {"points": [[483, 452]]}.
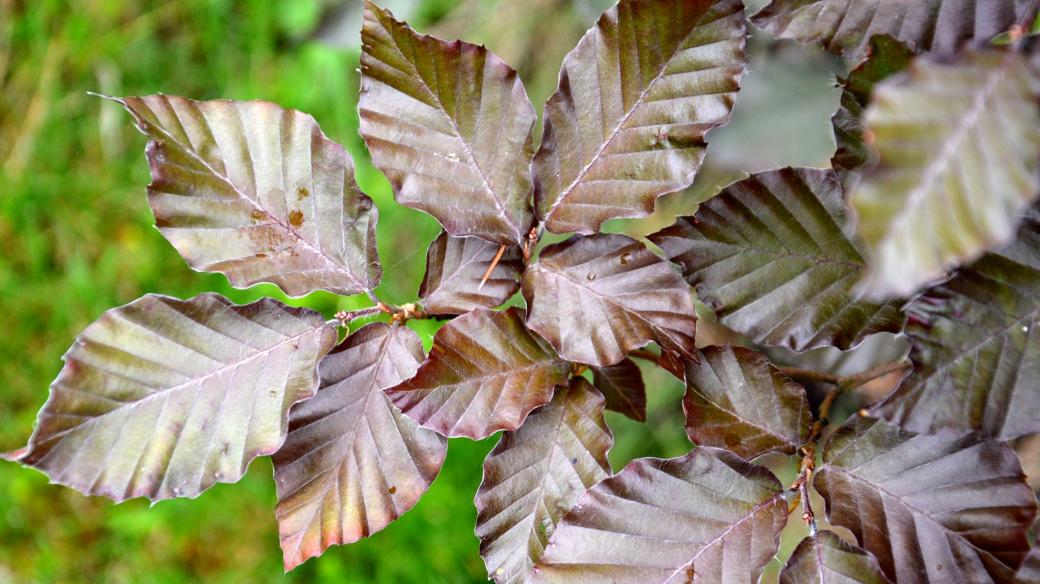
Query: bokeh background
{"points": [[76, 238]]}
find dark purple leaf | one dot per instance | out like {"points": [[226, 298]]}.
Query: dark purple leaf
{"points": [[774, 256], [942, 508], [622, 386], [636, 98], [535, 474], [597, 298], [735, 399], [455, 267], [450, 125], [485, 373], [352, 463], [1029, 572], [825, 558]]}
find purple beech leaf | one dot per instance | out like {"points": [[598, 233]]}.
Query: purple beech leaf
{"points": [[635, 100], [485, 373], [597, 298], [845, 27], [163, 398], [825, 558], [622, 386], [353, 463], [735, 399], [958, 163], [976, 347], [931, 508], [535, 475], [257, 193], [450, 125], [708, 516], [455, 267], [774, 256], [1029, 571]]}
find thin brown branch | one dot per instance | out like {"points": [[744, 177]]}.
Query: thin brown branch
{"points": [[491, 268]]}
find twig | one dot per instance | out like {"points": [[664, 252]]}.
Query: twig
{"points": [[810, 375], [1020, 30], [491, 268]]}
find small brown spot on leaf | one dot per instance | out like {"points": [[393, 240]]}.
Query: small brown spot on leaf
{"points": [[392, 490], [591, 276], [625, 257], [257, 215], [296, 218], [261, 255], [302, 193]]}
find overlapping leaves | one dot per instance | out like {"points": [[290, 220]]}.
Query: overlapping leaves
{"points": [[622, 386], [825, 559], [455, 268]]}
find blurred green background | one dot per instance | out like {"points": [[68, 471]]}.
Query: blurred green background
{"points": [[77, 239]]}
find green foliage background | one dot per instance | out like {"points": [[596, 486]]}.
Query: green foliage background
{"points": [[77, 239]]}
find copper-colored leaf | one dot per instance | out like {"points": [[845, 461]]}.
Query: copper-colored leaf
{"points": [[774, 256], [451, 127], [958, 163], [535, 474], [257, 193], [845, 27], [636, 98], [705, 517], [352, 463], [163, 398], [597, 298], [931, 508], [825, 559], [455, 267], [735, 399], [976, 347], [622, 386], [485, 373]]}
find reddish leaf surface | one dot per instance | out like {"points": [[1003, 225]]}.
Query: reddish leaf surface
{"points": [[485, 373], [534, 476], [455, 267], [622, 386], [450, 125], [636, 98], [597, 298], [826, 559], [352, 463]]}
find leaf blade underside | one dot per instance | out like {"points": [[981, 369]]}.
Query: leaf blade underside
{"points": [[622, 386], [141, 408], [774, 256], [535, 475], [825, 558], [450, 125], [597, 298], [636, 98], [352, 463], [455, 267], [485, 373], [257, 193]]}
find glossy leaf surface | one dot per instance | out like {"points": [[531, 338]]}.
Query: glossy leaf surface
{"points": [[635, 100], [622, 386], [450, 125], [258, 193], [958, 162], [942, 508], [485, 373], [735, 399], [826, 559], [455, 267], [597, 298], [976, 347], [352, 463], [845, 27], [774, 256], [163, 398], [705, 517], [536, 474]]}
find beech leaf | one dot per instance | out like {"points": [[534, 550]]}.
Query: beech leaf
{"points": [[1029, 571], [455, 267], [257, 193], [774, 256], [958, 163], [674, 521], [485, 373], [450, 125], [535, 474], [622, 386], [597, 298], [635, 100], [163, 398], [845, 27], [352, 463], [976, 347], [931, 508], [735, 399], [825, 558]]}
